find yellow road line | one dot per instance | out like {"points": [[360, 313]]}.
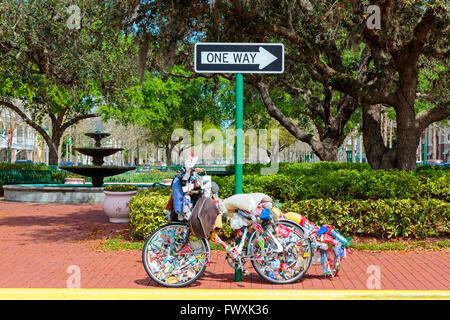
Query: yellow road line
{"points": [[212, 294]]}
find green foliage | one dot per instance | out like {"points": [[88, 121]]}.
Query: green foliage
{"points": [[355, 198], [72, 175], [357, 201], [24, 166], [146, 213], [120, 188], [119, 244], [386, 218], [62, 74], [163, 104], [340, 181], [383, 218], [437, 187], [226, 232]]}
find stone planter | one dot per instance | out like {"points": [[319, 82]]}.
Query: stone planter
{"points": [[116, 207], [73, 181]]}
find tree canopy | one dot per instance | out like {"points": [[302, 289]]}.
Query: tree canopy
{"points": [[60, 63], [335, 60], [162, 104], [345, 61]]}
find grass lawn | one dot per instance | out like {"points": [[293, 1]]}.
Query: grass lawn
{"points": [[358, 244]]}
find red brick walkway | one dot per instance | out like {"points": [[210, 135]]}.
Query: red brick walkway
{"points": [[38, 244]]}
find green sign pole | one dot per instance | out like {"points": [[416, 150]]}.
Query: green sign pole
{"points": [[239, 153], [261, 58]]}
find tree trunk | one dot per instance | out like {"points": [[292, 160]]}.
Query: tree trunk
{"points": [[52, 156], [327, 150], [407, 141], [168, 151], [379, 156], [55, 148], [407, 138], [137, 155]]}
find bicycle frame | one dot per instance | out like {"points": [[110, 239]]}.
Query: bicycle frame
{"points": [[236, 253]]}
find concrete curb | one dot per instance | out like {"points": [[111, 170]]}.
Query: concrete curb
{"points": [[212, 294]]}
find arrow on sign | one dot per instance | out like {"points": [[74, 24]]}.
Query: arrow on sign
{"points": [[262, 58]]}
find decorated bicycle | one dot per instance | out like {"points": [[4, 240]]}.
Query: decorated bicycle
{"points": [[279, 249]]}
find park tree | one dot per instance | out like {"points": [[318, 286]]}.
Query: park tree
{"points": [[257, 118], [186, 22], [60, 61], [387, 72], [163, 104], [407, 52], [340, 56]]}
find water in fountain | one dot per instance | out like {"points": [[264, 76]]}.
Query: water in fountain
{"points": [[97, 171]]}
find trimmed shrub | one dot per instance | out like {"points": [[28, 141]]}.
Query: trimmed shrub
{"points": [[343, 185], [24, 166], [437, 187], [146, 212], [384, 218], [352, 197], [120, 188], [302, 168]]}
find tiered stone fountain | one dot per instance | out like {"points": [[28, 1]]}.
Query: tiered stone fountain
{"points": [[97, 171], [73, 193]]}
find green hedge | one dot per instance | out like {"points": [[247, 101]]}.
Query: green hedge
{"points": [[24, 166], [146, 212], [343, 185], [14, 173], [383, 218], [353, 197], [319, 167], [302, 168]]}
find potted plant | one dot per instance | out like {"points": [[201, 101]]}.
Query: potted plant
{"points": [[72, 178], [116, 201]]}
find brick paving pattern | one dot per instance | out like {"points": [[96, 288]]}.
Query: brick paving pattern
{"points": [[38, 243]]}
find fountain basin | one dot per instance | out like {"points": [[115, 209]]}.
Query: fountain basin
{"points": [[61, 193], [92, 171], [98, 151], [97, 172]]}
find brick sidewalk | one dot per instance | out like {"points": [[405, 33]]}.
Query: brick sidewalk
{"points": [[39, 242]]}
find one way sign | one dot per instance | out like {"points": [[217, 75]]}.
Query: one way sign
{"points": [[239, 58]]}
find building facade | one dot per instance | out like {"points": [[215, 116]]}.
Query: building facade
{"points": [[437, 139], [26, 144]]}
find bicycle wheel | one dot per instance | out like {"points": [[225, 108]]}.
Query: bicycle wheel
{"points": [[281, 267], [171, 263]]}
